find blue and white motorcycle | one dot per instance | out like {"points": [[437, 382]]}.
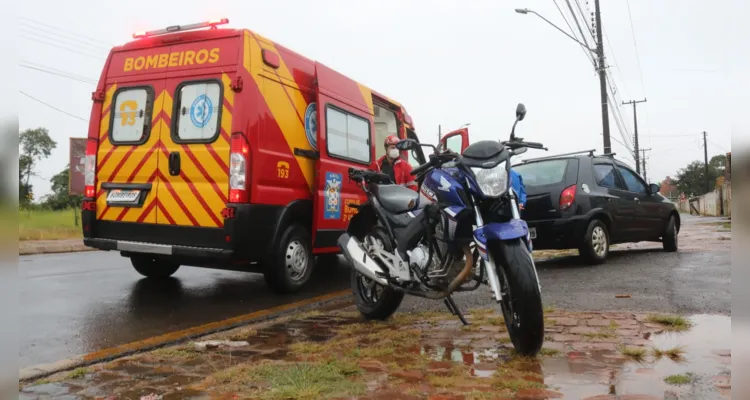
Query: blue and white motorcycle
{"points": [[462, 230]]}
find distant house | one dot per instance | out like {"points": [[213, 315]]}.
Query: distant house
{"points": [[668, 188]]}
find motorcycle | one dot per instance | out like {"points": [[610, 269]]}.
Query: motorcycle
{"points": [[461, 230]]}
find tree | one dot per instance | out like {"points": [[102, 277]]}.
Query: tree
{"points": [[719, 162], [691, 180], [36, 145], [60, 198]]}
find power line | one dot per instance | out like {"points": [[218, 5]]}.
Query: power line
{"points": [[674, 136], [74, 43], [635, 46], [717, 146], [69, 32], [62, 47], [51, 106], [51, 71], [573, 31]]}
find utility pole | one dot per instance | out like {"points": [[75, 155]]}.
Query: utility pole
{"points": [[643, 159], [602, 79], [705, 157], [635, 124]]}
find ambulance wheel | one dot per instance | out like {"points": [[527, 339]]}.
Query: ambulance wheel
{"points": [[153, 268], [291, 263]]}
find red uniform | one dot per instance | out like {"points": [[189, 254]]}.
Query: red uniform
{"points": [[399, 171]]}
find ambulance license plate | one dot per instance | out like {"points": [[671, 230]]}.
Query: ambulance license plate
{"points": [[119, 196], [532, 233]]}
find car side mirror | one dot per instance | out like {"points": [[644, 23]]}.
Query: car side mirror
{"points": [[407, 144], [654, 188], [520, 112]]}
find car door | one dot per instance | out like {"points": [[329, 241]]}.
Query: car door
{"points": [[345, 137], [620, 204], [643, 224], [456, 141]]}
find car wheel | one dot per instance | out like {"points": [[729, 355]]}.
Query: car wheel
{"points": [[291, 263], [595, 246], [153, 268], [669, 240]]}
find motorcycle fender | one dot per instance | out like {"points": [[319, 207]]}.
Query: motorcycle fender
{"points": [[514, 229]]}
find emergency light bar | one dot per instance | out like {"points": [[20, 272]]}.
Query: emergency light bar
{"points": [[179, 28]]}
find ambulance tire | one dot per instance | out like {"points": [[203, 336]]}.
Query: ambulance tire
{"points": [[153, 268], [291, 263]]}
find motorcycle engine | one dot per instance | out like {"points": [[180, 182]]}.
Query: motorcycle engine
{"points": [[447, 261]]}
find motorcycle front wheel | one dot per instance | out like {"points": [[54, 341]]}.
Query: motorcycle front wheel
{"points": [[522, 300]]}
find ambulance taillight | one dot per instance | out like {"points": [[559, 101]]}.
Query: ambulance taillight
{"points": [[89, 170], [239, 160]]}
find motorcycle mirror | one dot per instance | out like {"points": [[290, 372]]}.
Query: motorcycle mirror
{"points": [[520, 111], [406, 144]]}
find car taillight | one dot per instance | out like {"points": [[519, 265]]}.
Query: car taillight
{"points": [[238, 163], [567, 197], [89, 170]]}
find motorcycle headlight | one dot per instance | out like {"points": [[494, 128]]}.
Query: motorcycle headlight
{"points": [[492, 181]]}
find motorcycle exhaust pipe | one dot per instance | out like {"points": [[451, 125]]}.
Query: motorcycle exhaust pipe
{"points": [[457, 281], [359, 260]]}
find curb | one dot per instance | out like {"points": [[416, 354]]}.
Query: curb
{"points": [[44, 370], [32, 247]]}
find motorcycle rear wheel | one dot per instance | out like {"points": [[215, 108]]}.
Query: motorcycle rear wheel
{"points": [[375, 301], [522, 300]]}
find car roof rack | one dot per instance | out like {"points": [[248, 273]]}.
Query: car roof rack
{"points": [[591, 154], [610, 155]]}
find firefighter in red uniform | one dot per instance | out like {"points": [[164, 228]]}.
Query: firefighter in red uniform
{"points": [[394, 166]]}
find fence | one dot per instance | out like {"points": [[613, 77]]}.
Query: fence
{"points": [[717, 203]]}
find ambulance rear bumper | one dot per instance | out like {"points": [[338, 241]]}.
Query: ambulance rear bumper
{"points": [[247, 236]]}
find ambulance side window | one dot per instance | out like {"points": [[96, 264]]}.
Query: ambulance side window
{"points": [[131, 122], [347, 136], [198, 110]]}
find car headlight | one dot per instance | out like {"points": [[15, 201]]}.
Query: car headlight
{"points": [[492, 181]]}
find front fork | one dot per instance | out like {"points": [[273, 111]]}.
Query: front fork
{"points": [[491, 266]]}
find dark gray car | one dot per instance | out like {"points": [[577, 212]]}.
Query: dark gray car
{"points": [[587, 202]]}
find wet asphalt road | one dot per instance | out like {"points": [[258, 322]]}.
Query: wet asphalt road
{"points": [[76, 303], [695, 280], [82, 302]]}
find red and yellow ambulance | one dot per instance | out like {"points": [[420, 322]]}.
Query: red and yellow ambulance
{"points": [[219, 148]]}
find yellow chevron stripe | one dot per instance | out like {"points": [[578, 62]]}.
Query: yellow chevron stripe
{"points": [[367, 95], [228, 92], [286, 104]]}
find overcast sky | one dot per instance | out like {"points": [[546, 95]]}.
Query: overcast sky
{"points": [[448, 62]]}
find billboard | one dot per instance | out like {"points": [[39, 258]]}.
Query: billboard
{"points": [[76, 179]]}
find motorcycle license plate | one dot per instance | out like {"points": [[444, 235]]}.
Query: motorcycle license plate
{"points": [[532, 233]]}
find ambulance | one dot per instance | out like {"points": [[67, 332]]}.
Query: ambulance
{"points": [[218, 148]]}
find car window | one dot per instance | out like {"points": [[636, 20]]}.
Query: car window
{"points": [[605, 175], [454, 143], [632, 181], [542, 172]]}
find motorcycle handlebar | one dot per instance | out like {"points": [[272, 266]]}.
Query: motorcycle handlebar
{"points": [[435, 160]]}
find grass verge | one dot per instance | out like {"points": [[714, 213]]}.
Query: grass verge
{"points": [[48, 225]]}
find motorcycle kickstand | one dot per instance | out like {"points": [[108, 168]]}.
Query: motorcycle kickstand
{"points": [[453, 308]]}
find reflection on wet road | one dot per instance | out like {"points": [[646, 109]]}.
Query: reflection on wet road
{"points": [[82, 302]]}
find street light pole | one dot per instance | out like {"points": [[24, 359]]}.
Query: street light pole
{"points": [[599, 52]]}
